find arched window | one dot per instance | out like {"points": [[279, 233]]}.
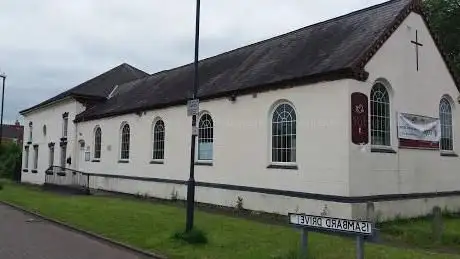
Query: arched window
{"points": [[205, 138], [97, 143], [65, 124], [284, 134], [159, 140], [125, 137], [445, 116], [380, 116], [31, 127]]}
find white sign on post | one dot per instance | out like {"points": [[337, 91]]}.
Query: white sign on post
{"points": [[320, 223], [334, 225], [193, 107], [195, 130]]}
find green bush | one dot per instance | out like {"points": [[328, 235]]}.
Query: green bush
{"points": [[10, 160], [195, 236]]}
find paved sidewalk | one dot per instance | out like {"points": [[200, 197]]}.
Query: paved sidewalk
{"points": [[25, 237]]}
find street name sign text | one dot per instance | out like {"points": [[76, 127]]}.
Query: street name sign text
{"points": [[354, 227]]}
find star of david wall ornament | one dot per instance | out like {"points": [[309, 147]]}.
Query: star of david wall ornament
{"points": [[359, 109], [359, 119]]}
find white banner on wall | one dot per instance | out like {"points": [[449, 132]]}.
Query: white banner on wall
{"points": [[417, 127]]}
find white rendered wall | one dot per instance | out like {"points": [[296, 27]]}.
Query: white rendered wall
{"points": [[51, 116], [241, 145], [409, 170], [229, 198]]}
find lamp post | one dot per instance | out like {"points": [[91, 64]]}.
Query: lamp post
{"points": [[3, 76], [191, 180]]}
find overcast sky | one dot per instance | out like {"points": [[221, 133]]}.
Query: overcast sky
{"points": [[48, 46]]}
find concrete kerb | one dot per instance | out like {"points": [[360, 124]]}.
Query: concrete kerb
{"points": [[88, 233]]}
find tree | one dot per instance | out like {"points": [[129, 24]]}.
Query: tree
{"points": [[444, 19], [10, 160]]}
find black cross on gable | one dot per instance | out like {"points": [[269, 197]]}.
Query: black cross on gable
{"points": [[417, 45]]}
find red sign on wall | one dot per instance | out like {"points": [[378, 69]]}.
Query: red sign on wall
{"points": [[359, 119]]}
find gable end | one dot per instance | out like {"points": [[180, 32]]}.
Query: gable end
{"points": [[416, 7]]}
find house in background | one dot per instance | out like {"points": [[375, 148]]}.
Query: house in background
{"points": [[359, 109], [13, 133]]}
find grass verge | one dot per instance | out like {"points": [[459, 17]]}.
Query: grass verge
{"points": [[418, 232], [149, 226]]}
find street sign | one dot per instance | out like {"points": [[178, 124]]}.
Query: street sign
{"points": [[319, 223], [195, 130], [193, 107], [357, 228]]}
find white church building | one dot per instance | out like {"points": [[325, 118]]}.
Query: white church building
{"points": [[359, 109]]}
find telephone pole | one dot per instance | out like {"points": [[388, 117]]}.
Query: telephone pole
{"points": [[3, 76], [194, 113]]}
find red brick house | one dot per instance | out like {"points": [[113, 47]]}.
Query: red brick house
{"points": [[13, 133]]}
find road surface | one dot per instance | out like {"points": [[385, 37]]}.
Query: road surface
{"points": [[23, 236]]}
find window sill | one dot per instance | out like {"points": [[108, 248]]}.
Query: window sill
{"points": [[34, 171], [448, 154], [383, 149], [204, 163], [123, 161], [25, 170], [96, 161], [281, 166], [157, 162]]}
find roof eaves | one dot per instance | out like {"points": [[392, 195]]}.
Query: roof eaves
{"points": [[45, 104], [368, 53], [88, 97], [345, 73], [64, 98]]}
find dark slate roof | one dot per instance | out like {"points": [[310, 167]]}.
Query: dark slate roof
{"points": [[99, 87], [330, 50], [13, 131], [324, 51]]}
